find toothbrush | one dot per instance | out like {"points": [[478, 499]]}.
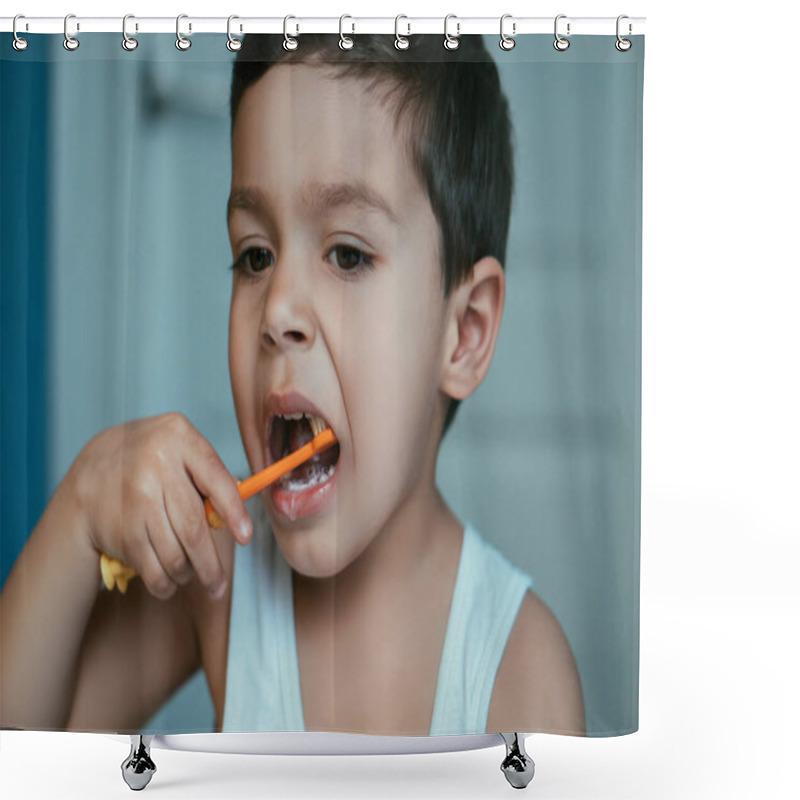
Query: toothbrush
{"points": [[114, 571]]}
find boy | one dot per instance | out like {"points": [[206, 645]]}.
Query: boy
{"points": [[368, 216]]}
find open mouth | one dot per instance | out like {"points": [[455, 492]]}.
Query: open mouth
{"points": [[289, 433]]}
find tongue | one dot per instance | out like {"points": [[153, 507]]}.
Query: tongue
{"points": [[300, 433]]}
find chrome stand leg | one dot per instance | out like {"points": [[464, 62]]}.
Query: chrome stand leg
{"points": [[517, 766], [138, 767]]}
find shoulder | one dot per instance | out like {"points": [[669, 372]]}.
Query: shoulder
{"points": [[537, 686]]}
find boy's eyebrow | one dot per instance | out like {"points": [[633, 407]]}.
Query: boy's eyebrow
{"points": [[316, 197]]}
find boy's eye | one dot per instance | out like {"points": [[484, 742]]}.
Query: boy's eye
{"points": [[254, 259], [351, 259]]}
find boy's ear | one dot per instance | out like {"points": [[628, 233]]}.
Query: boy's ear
{"points": [[474, 311]]}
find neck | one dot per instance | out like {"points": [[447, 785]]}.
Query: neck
{"points": [[422, 538]]}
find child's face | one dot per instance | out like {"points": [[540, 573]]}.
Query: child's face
{"points": [[363, 343]]}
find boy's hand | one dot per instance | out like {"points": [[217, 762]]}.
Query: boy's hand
{"points": [[140, 486]]}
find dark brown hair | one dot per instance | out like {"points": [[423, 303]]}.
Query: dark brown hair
{"points": [[454, 118]]}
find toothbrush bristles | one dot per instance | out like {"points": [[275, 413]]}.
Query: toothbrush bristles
{"points": [[317, 425]]}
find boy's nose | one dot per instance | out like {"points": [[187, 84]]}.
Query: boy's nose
{"points": [[287, 319]]}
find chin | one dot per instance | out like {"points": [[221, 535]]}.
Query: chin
{"points": [[311, 552]]}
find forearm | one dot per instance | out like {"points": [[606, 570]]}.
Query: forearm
{"points": [[45, 606]]}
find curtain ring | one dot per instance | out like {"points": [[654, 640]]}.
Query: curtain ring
{"points": [[506, 42], [70, 42], [451, 42], [128, 42], [561, 43], [233, 44], [401, 42], [346, 42], [19, 43], [623, 45], [289, 42], [182, 43]]}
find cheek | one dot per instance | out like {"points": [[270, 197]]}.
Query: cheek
{"points": [[242, 368], [390, 375], [237, 353]]}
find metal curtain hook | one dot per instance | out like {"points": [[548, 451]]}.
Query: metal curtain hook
{"points": [[70, 42], [401, 42], [561, 43], [182, 43], [19, 43], [506, 42], [451, 42], [346, 42], [289, 42], [128, 42], [233, 44], [623, 45]]}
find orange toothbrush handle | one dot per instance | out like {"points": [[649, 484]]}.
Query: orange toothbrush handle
{"points": [[214, 519]]}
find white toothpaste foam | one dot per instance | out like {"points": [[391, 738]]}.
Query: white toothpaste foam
{"points": [[316, 475]]}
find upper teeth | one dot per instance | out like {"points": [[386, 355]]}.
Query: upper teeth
{"points": [[317, 423]]}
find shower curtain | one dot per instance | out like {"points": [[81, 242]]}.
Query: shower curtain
{"points": [[419, 268]]}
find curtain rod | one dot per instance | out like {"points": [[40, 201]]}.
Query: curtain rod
{"points": [[407, 26]]}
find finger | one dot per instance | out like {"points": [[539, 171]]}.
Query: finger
{"points": [[212, 479], [139, 551], [188, 520], [170, 552]]}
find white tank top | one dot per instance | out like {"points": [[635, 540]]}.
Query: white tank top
{"points": [[262, 686]]}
